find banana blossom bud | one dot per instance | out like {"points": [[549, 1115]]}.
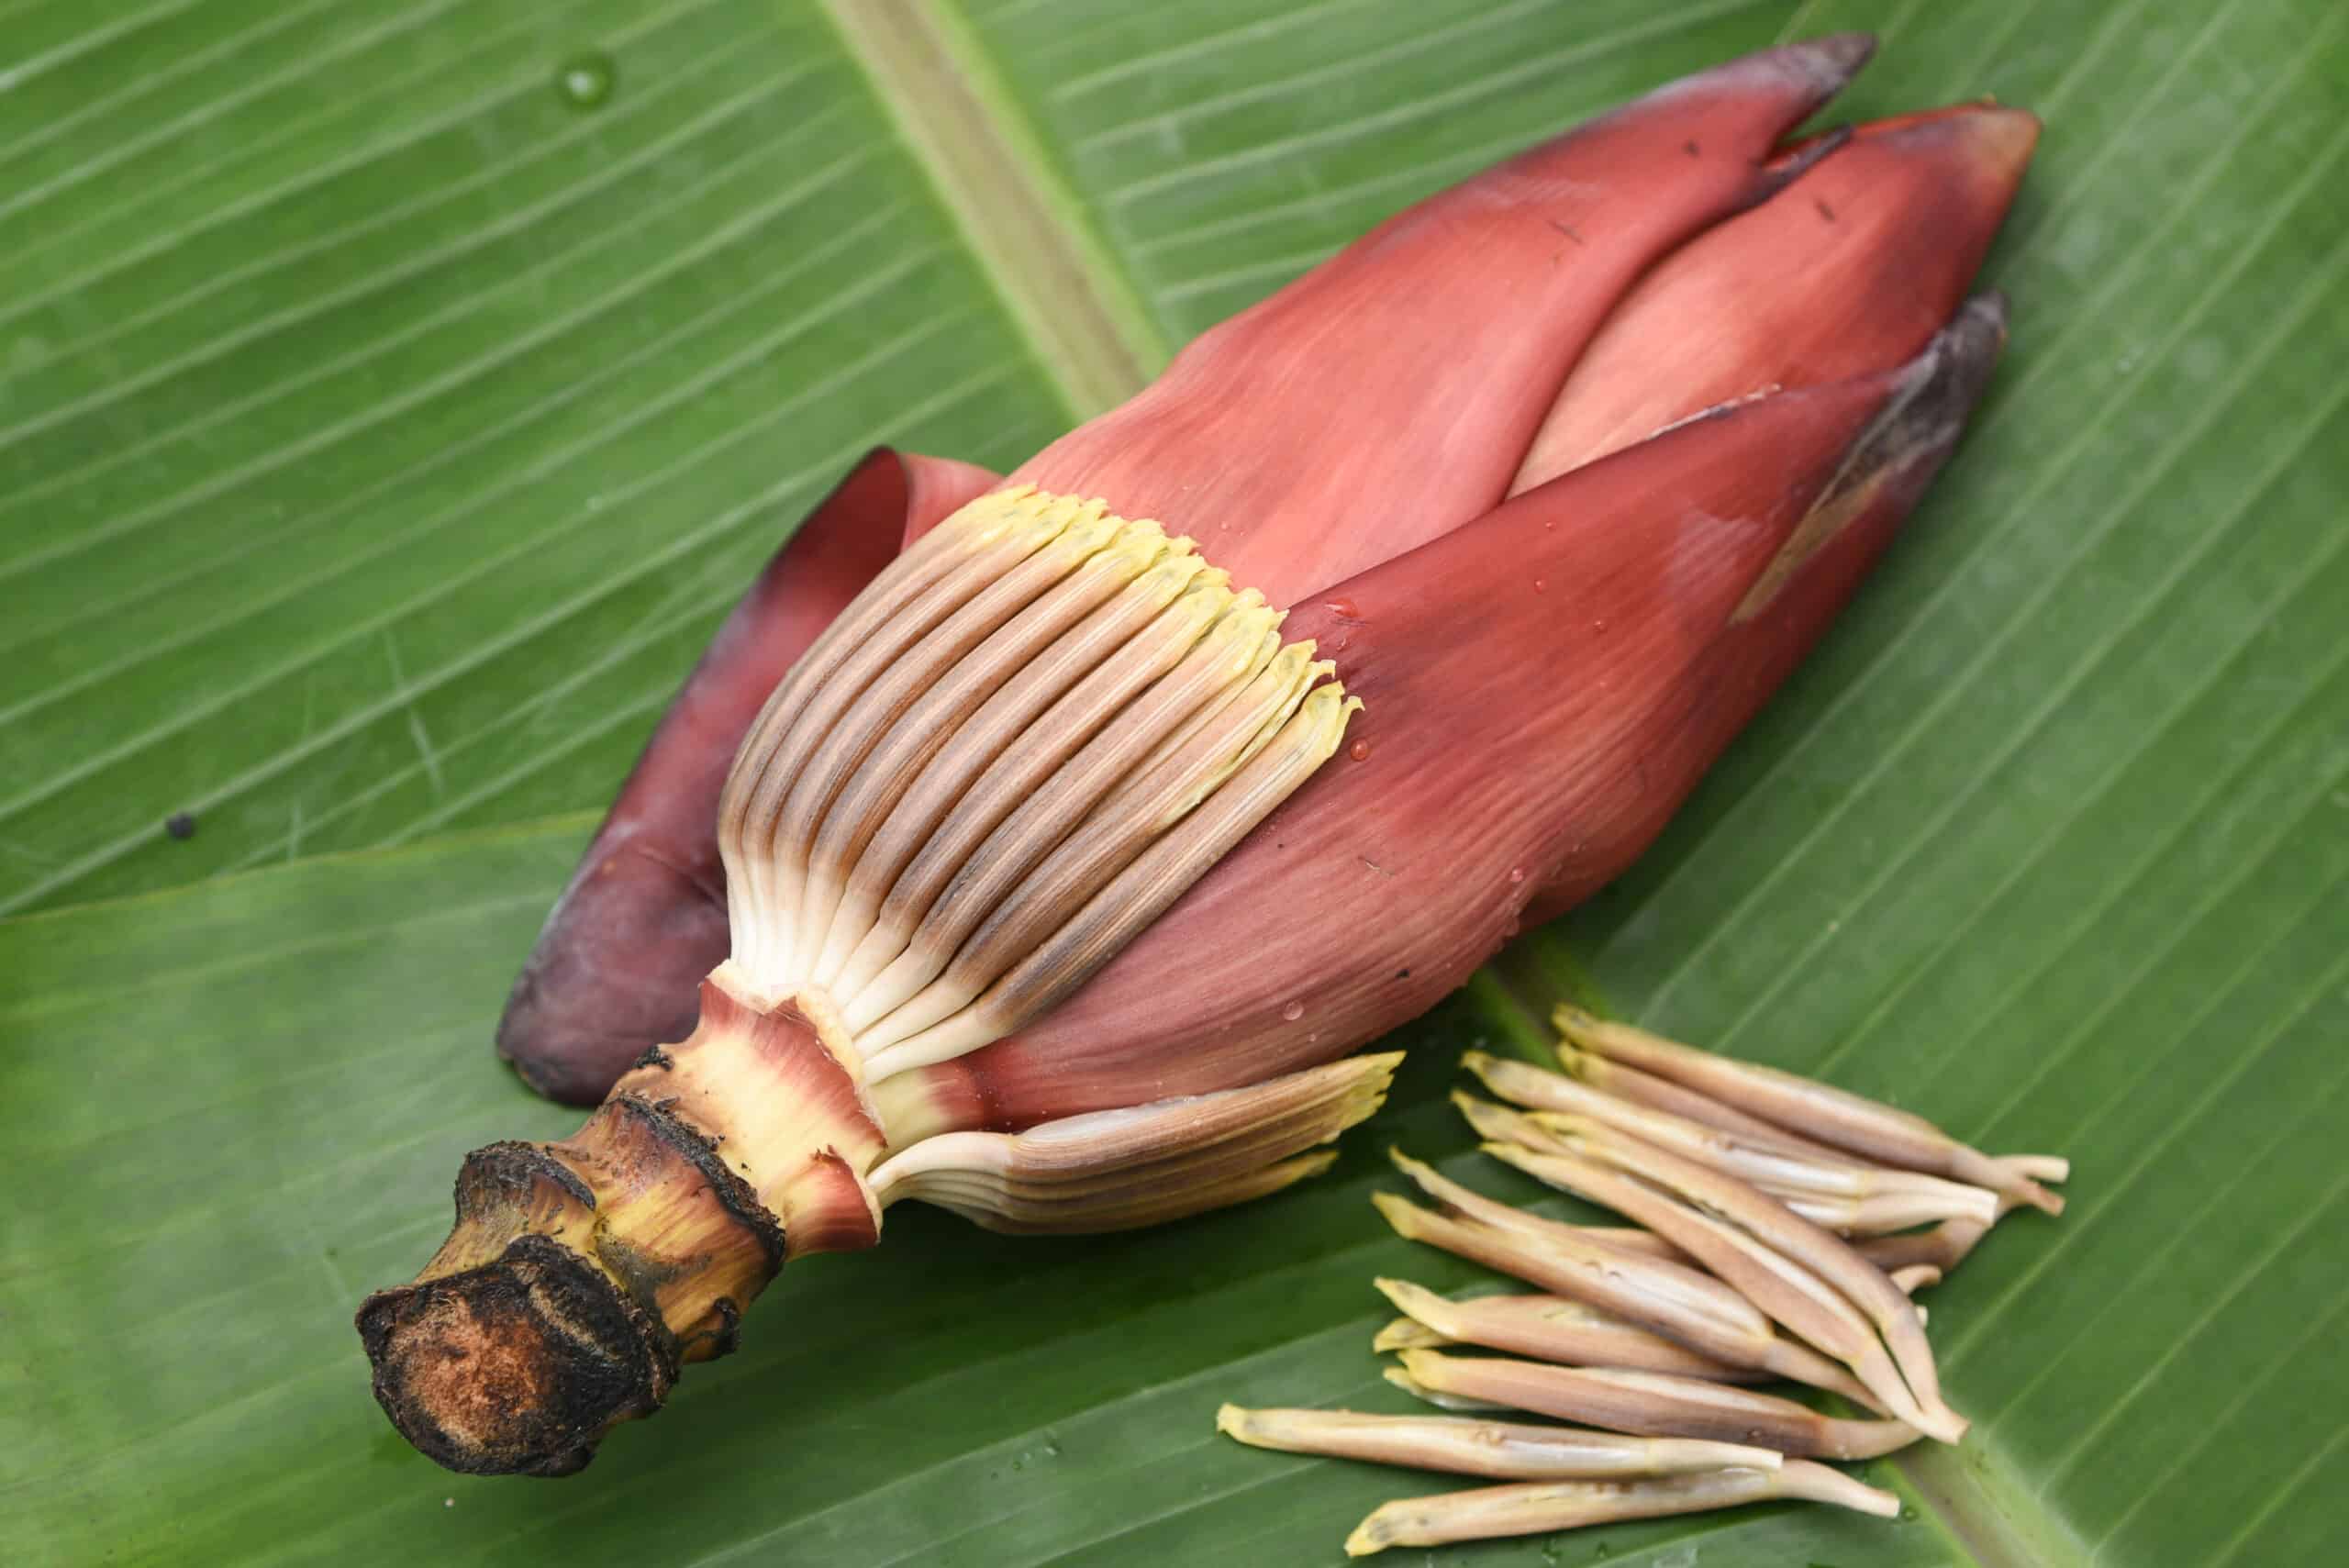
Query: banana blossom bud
{"points": [[1039, 900]]}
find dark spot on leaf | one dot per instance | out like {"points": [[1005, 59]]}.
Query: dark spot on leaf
{"points": [[179, 824]]}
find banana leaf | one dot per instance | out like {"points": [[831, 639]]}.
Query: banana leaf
{"points": [[393, 394]]}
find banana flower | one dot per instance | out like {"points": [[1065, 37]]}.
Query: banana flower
{"points": [[1042, 846]]}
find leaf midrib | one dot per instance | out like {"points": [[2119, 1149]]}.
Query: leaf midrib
{"points": [[1092, 337]]}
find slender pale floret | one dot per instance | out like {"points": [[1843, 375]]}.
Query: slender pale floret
{"points": [[1820, 1111], [1836, 1191], [1503, 1449], [1648, 1403], [1539, 1507], [1547, 1328], [1667, 1298], [1783, 1289]]}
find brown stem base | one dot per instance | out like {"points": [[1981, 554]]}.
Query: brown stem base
{"points": [[581, 1277], [515, 1368]]}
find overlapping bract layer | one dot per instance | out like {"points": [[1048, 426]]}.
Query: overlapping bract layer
{"points": [[1541, 688]]}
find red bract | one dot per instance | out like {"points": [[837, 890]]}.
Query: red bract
{"points": [[1850, 270], [1388, 396], [1023, 831], [1541, 689]]}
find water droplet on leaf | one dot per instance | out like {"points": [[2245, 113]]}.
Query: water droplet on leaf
{"points": [[587, 79], [1359, 750]]}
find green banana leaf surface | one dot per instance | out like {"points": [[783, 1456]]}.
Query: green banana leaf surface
{"points": [[393, 394]]}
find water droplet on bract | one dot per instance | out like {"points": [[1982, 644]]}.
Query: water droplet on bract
{"points": [[1294, 1011], [587, 79], [1359, 750], [1517, 874], [1598, 626], [1540, 585]]}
